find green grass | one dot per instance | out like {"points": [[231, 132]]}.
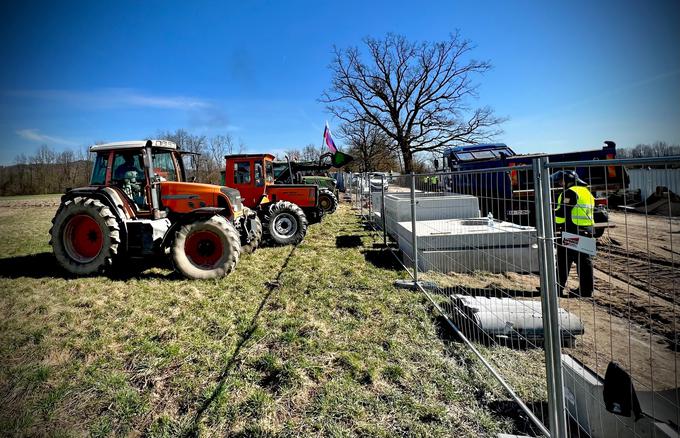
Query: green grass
{"points": [[312, 340]]}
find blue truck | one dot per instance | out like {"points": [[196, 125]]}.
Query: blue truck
{"points": [[508, 194]]}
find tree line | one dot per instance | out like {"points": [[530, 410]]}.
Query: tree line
{"points": [[52, 171], [46, 171], [656, 149]]}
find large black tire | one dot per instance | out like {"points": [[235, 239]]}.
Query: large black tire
{"points": [[206, 248], [85, 236], [254, 243], [328, 202], [284, 224]]}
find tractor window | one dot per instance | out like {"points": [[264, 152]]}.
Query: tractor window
{"points": [[128, 174], [126, 162], [270, 172], [164, 166], [259, 177], [99, 170], [242, 172]]}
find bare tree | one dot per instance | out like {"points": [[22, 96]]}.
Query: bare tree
{"points": [[416, 93], [370, 146], [217, 147], [293, 154], [312, 153]]}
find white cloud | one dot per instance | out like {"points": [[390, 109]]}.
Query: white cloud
{"points": [[35, 135], [115, 97]]}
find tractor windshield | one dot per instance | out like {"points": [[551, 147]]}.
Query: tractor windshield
{"points": [[164, 165]]}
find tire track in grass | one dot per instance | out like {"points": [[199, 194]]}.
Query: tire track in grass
{"points": [[271, 285]]}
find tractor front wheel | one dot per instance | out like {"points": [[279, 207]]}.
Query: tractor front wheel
{"points": [[85, 236], [285, 224], [206, 248], [328, 201]]}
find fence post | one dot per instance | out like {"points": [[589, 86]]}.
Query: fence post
{"points": [[549, 298], [414, 235], [382, 209], [370, 200]]}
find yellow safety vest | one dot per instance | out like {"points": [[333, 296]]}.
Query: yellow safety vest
{"points": [[582, 212]]}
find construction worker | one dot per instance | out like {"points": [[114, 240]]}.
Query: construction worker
{"points": [[574, 214]]}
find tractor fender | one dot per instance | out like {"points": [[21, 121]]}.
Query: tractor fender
{"points": [[106, 196], [180, 220]]}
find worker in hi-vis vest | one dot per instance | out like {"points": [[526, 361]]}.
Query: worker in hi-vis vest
{"points": [[574, 214]]}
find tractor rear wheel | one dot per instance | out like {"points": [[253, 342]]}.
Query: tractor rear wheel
{"points": [[328, 202], [285, 224], [206, 248], [85, 236], [254, 243]]}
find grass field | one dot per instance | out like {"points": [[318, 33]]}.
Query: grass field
{"points": [[298, 341]]}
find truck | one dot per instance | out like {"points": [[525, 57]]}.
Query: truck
{"points": [[508, 194]]}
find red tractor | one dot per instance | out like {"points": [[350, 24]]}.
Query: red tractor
{"points": [[285, 209], [139, 206]]}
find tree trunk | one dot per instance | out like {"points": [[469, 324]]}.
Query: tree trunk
{"points": [[407, 155]]}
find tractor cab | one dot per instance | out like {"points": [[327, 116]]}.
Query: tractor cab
{"points": [[135, 168], [250, 174], [150, 175]]}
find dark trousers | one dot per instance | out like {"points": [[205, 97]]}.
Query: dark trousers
{"points": [[584, 266]]}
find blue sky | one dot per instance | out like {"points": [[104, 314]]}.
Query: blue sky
{"points": [[567, 74]]}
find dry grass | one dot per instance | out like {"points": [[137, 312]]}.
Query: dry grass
{"points": [[312, 340]]}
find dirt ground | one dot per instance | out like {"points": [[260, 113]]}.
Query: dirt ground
{"points": [[633, 316]]}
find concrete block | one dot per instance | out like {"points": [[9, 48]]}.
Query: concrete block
{"points": [[473, 233], [467, 245], [512, 319], [496, 260], [429, 206]]}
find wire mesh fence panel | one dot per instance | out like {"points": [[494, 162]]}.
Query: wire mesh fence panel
{"points": [[618, 270], [468, 238], [492, 248]]}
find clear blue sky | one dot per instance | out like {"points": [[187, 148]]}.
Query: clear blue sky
{"points": [[568, 74]]}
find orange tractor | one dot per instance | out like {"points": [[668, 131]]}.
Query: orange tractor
{"points": [[139, 206], [285, 210]]}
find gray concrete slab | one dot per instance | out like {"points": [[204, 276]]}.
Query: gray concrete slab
{"points": [[429, 206], [468, 245], [496, 260], [476, 233], [512, 319]]}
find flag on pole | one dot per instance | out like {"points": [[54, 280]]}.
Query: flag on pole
{"points": [[328, 139]]}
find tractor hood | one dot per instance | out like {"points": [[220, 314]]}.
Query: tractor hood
{"points": [[183, 197], [233, 195]]}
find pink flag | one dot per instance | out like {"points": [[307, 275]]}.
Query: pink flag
{"points": [[328, 139]]}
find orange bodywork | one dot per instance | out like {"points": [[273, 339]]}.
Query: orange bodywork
{"points": [[256, 182], [184, 197], [302, 195]]}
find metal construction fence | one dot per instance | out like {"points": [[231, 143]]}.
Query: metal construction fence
{"points": [[577, 319]]}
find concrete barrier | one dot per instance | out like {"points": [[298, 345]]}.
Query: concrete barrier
{"points": [[430, 206], [468, 245]]}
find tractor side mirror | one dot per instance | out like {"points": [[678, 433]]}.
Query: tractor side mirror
{"points": [[619, 394], [436, 164]]}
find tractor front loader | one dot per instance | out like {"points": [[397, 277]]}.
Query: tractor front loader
{"points": [[139, 208]]}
